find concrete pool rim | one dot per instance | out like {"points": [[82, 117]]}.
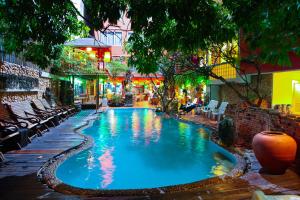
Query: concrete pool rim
{"points": [[47, 173]]}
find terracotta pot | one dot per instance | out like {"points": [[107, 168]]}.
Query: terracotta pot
{"points": [[274, 150]]}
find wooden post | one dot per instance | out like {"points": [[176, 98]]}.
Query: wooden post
{"points": [[97, 93], [73, 87]]}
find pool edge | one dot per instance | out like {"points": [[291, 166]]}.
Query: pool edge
{"points": [[47, 175]]}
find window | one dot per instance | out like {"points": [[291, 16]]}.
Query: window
{"points": [[111, 38], [118, 38], [103, 38]]}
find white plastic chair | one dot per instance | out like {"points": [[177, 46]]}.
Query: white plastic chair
{"points": [[220, 111], [210, 107]]}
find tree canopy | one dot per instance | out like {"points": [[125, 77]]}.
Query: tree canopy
{"points": [[271, 26], [37, 28], [74, 62]]}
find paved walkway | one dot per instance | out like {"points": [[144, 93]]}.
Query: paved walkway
{"points": [[18, 174]]}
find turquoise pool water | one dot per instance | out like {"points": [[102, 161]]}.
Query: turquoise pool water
{"points": [[137, 148]]}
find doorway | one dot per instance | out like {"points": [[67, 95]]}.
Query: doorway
{"points": [[296, 97]]}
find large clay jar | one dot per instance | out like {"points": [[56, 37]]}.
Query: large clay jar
{"points": [[274, 150]]}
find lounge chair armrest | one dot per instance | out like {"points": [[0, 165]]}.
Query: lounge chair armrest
{"points": [[33, 120], [8, 129], [52, 110], [38, 110], [30, 119], [20, 124], [44, 112], [27, 113], [40, 115]]}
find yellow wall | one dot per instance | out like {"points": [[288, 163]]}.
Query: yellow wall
{"points": [[283, 87], [224, 70]]}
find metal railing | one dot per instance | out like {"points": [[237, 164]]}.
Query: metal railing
{"points": [[225, 70]]}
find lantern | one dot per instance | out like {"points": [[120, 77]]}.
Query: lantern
{"points": [[92, 55], [106, 56]]}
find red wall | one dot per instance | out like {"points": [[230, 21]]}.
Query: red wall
{"points": [[250, 69]]}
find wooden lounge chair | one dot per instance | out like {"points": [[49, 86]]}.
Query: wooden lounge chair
{"points": [[39, 107], [23, 112], [46, 117], [65, 110], [6, 119], [209, 108], [71, 109], [220, 111], [9, 137], [49, 107]]}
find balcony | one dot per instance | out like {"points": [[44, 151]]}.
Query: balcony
{"points": [[227, 71]]}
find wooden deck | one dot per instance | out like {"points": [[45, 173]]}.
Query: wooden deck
{"points": [[18, 174]]}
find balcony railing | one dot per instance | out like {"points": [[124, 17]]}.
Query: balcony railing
{"points": [[225, 70]]}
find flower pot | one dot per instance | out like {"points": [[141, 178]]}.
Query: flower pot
{"points": [[274, 150]]}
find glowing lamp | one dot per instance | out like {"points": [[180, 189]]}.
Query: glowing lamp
{"points": [[297, 87], [77, 81], [106, 56], [92, 55], [88, 49]]}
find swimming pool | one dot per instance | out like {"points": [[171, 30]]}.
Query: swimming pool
{"points": [[138, 148]]}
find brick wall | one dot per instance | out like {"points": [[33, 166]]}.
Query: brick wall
{"points": [[227, 94], [250, 121], [15, 94]]}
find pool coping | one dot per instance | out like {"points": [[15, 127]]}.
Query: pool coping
{"points": [[47, 175]]}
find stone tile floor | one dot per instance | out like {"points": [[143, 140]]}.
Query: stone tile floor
{"points": [[18, 173]]}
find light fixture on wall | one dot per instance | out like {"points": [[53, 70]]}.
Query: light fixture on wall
{"points": [[106, 56], [88, 49], [92, 55]]}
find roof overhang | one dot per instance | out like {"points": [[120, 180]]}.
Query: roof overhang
{"points": [[86, 42]]}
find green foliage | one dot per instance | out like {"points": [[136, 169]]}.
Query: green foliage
{"points": [[116, 68], [190, 78], [116, 99], [37, 28], [99, 12], [271, 26], [74, 61]]}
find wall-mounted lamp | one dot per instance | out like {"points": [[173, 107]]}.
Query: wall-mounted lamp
{"points": [[106, 56], [92, 55]]}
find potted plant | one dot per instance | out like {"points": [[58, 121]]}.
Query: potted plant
{"points": [[226, 131], [274, 150], [116, 101]]}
